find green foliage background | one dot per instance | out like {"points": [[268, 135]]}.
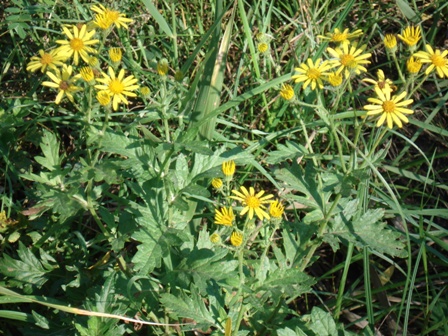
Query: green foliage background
{"points": [[108, 214]]}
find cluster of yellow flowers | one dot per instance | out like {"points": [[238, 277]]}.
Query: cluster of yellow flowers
{"points": [[79, 43], [254, 203], [348, 60]]}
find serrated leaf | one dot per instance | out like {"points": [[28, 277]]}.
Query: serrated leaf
{"points": [[188, 307], [28, 269], [290, 332], [366, 231], [289, 280], [50, 148], [322, 323], [149, 253], [290, 150]]}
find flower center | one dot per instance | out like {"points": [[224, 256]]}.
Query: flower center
{"points": [[338, 37], [76, 44], [116, 86], [438, 60], [347, 60], [64, 85], [313, 74], [46, 59], [253, 202], [112, 15], [389, 106]]}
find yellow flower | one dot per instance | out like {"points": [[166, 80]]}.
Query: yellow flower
{"points": [[335, 78], [118, 87], [162, 67], [63, 81], [436, 59], [217, 183], [215, 238], [103, 98], [236, 239], [224, 216], [390, 42], [106, 17], [145, 91], [263, 47], [287, 92], [276, 209], [413, 65], [391, 109], [51, 59], [253, 203], [342, 37], [411, 36], [228, 168], [383, 83], [78, 43], [350, 59], [312, 73], [93, 61], [115, 55], [87, 74]]}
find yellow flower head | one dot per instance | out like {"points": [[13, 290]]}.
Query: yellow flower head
{"points": [[118, 87], [215, 238], [87, 74], [162, 67], [276, 209], [103, 98], [106, 17], [350, 59], [253, 203], [335, 78], [342, 37], [390, 42], [287, 92], [93, 61], [224, 216], [64, 82], [383, 83], [78, 43], [312, 73], [436, 59], [411, 36], [236, 239], [413, 65], [217, 183], [391, 109], [262, 47], [115, 55], [145, 91], [51, 60], [228, 168]]}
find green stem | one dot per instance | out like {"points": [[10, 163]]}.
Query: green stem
{"points": [[341, 290], [240, 290], [320, 232], [400, 74], [418, 86]]}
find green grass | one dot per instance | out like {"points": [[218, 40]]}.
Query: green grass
{"points": [[107, 215]]}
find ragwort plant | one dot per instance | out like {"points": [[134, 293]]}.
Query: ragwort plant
{"points": [[164, 213]]}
